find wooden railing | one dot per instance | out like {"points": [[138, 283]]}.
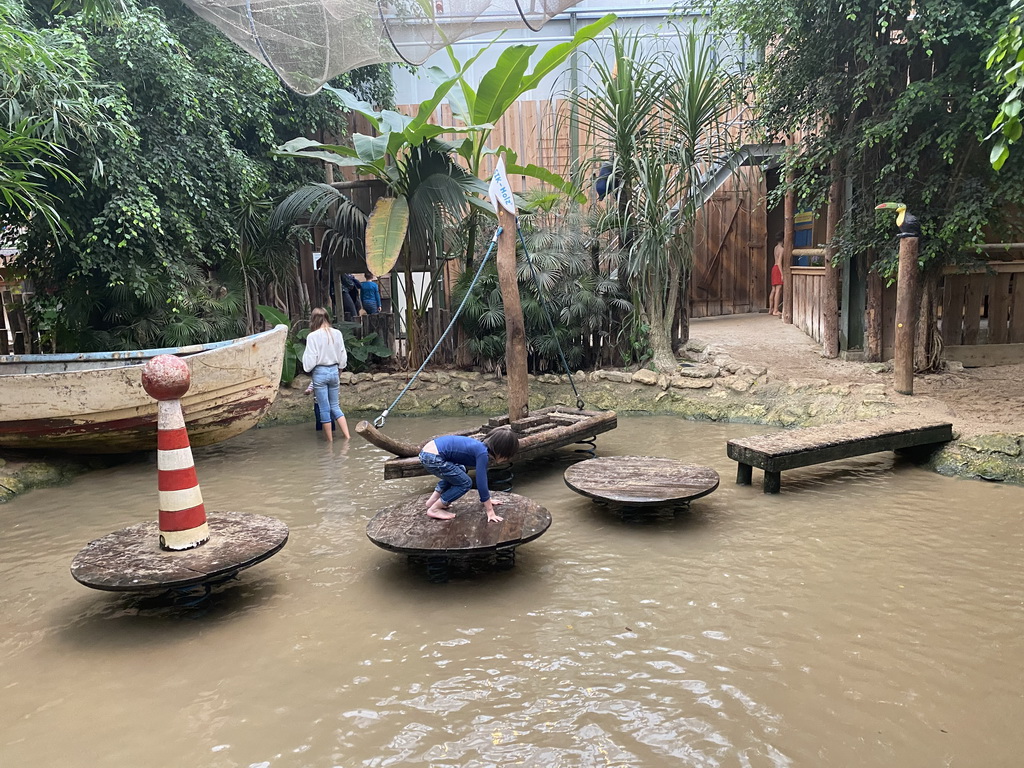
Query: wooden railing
{"points": [[808, 292]]}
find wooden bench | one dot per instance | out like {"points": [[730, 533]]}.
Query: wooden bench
{"points": [[778, 451]]}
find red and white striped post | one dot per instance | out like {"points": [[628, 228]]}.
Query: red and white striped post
{"points": [[182, 513]]}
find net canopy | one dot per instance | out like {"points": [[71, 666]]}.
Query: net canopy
{"points": [[307, 42]]}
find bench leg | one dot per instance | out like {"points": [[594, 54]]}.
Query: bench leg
{"points": [[772, 482], [744, 474]]}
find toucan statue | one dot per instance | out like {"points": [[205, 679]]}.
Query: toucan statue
{"points": [[907, 222]]}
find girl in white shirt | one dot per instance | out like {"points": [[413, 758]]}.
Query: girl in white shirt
{"points": [[324, 357]]}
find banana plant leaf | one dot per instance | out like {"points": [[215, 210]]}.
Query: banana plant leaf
{"points": [[385, 233]]}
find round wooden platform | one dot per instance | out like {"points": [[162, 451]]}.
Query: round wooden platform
{"points": [[130, 560], [640, 480], [406, 529]]}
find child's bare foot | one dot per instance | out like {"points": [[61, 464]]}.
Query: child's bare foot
{"points": [[440, 512]]}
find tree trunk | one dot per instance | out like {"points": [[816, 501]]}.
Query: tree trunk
{"points": [[928, 344], [830, 300], [908, 299], [787, 259], [515, 328], [873, 321]]}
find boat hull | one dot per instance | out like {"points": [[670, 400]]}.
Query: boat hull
{"points": [[106, 409]]}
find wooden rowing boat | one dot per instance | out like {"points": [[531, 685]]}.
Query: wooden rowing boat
{"points": [[95, 402]]}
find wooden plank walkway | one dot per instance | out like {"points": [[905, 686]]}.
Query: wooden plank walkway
{"points": [[640, 480], [790, 449]]}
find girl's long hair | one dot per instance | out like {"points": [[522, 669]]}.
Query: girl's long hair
{"points": [[318, 318]]}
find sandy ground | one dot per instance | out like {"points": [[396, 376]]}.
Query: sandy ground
{"points": [[976, 400]]}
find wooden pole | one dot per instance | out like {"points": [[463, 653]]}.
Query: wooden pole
{"points": [[907, 300], [515, 328], [787, 260], [830, 302]]}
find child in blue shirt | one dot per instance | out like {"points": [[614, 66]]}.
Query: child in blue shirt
{"points": [[448, 456], [370, 293]]}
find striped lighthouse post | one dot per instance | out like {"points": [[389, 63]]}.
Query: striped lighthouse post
{"points": [[182, 514]]}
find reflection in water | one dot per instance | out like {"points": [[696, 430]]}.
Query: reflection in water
{"points": [[869, 615]]}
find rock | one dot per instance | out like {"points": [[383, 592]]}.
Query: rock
{"points": [[1000, 442], [443, 378], [879, 367], [344, 378], [681, 382], [463, 386], [954, 366], [739, 383], [753, 370], [620, 376], [800, 385], [380, 376], [647, 377], [699, 372], [695, 346]]}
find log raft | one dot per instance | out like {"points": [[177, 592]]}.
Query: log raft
{"points": [[641, 481], [540, 432], [779, 451]]}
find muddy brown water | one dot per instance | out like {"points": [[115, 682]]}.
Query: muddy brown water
{"points": [[870, 615]]}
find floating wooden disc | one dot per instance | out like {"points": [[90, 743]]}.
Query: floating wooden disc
{"points": [[406, 529], [640, 480], [130, 560]]}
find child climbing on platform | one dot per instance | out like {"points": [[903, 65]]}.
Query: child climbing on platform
{"points": [[447, 458]]}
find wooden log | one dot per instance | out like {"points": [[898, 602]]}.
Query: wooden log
{"points": [[787, 245], [907, 301], [515, 328], [530, 446], [830, 293]]}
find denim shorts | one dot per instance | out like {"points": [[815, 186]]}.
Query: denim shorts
{"points": [[454, 481]]}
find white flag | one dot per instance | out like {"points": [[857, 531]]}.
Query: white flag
{"points": [[501, 191]]}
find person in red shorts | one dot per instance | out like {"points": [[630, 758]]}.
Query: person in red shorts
{"points": [[775, 299]]}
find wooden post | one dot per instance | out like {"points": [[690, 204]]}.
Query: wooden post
{"points": [[830, 301], [787, 260], [907, 300], [515, 328]]}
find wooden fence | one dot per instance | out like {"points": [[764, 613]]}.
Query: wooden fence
{"points": [[982, 314], [981, 317], [808, 297]]}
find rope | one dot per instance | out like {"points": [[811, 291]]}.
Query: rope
{"points": [[379, 421], [540, 293]]}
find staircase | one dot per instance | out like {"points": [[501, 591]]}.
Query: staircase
{"points": [[717, 174]]}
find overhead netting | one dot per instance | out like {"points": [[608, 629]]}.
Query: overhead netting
{"points": [[307, 42]]}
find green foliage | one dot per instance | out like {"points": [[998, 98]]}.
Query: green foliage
{"points": [[363, 352], [48, 103], [295, 341], [663, 117], [900, 95], [1005, 59], [166, 237], [570, 283]]}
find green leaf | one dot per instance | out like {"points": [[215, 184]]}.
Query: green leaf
{"points": [[385, 233], [559, 53], [272, 315], [1000, 152], [371, 149], [502, 84]]}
